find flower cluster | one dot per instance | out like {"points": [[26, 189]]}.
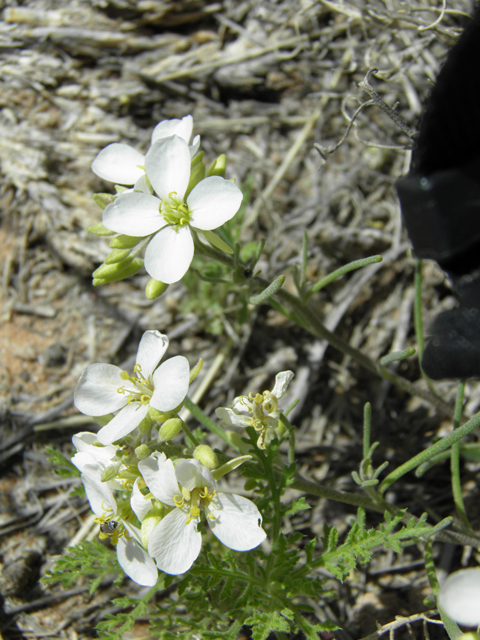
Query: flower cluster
{"points": [[174, 198], [151, 505]]}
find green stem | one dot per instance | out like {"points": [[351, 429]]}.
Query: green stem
{"points": [[206, 421], [189, 435], [367, 427], [455, 461], [357, 264], [432, 451]]}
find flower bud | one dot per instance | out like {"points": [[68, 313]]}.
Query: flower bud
{"points": [[103, 199], [110, 473], [170, 429], [142, 451], [250, 484], [156, 415], [197, 174], [117, 255], [155, 289], [113, 272], [206, 455], [124, 242], [100, 230], [146, 424], [218, 166]]}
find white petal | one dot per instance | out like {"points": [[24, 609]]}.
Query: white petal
{"points": [[136, 562], [123, 423], [460, 597], [174, 544], [192, 473], [167, 164], [212, 202], [182, 128], [159, 476], [194, 147], [140, 505], [236, 522], [150, 351], [96, 393], [85, 443], [169, 254], [231, 418], [99, 493], [282, 380], [135, 214], [141, 185], [119, 163], [170, 381]]}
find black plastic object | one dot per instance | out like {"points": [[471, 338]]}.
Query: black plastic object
{"points": [[440, 202]]}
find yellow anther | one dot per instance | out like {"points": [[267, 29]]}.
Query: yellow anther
{"points": [[144, 399], [121, 390]]}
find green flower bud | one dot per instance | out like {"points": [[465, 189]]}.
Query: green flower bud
{"points": [[146, 424], [103, 199], [236, 441], [117, 255], [198, 158], [155, 289], [142, 451], [149, 523], [100, 230], [114, 272], [196, 370], [207, 456], [157, 415], [250, 484], [124, 242], [103, 420], [197, 174], [470, 635], [110, 473], [218, 166], [170, 429]]}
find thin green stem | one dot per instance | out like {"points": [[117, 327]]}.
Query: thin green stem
{"points": [[206, 421], [367, 427], [356, 264], [432, 451], [455, 461]]}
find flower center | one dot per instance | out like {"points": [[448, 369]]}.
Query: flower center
{"points": [[174, 210], [142, 387], [192, 501]]}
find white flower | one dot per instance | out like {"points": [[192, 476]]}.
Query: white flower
{"points": [[188, 488], [169, 216], [257, 410], [105, 388], [132, 556], [460, 597], [122, 164]]}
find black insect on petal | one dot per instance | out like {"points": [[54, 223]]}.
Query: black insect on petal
{"points": [[440, 202]]}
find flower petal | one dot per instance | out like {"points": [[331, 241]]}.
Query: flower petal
{"points": [[231, 418], [99, 493], [85, 443], [192, 473], [236, 522], [282, 380], [212, 202], [171, 381], [123, 423], [194, 147], [159, 475], [169, 254], [182, 128], [136, 562], [151, 350], [460, 597], [119, 163], [134, 213], [140, 505], [167, 165], [174, 544], [96, 393]]}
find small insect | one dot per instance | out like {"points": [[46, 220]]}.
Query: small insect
{"points": [[440, 201], [108, 528]]}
